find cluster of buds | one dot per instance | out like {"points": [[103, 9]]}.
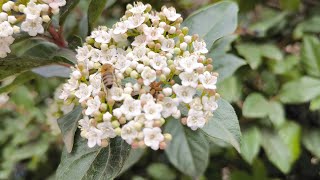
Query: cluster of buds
{"points": [[28, 16], [132, 78]]}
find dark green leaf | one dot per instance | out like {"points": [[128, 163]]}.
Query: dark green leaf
{"points": [[95, 10], [255, 106], [224, 125], [311, 55], [19, 80], [291, 5], [189, 150], [65, 55], [93, 163], [311, 140], [250, 146], [300, 90], [65, 10], [160, 171], [74, 42], [134, 156], [213, 22], [68, 125]]}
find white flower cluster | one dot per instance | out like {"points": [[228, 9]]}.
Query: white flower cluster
{"points": [[31, 14], [158, 69]]}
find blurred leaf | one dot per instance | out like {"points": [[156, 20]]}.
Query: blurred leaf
{"points": [[255, 106], [240, 175], [271, 51], [66, 9], [277, 151], [159, 171], [291, 5], [290, 133], [68, 125], [281, 67], [189, 150], [276, 113], [311, 55], [259, 170], [95, 10], [311, 140], [93, 163], [222, 45], [213, 22], [21, 96], [251, 52], [311, 25], [53, 71], [300, 90], [270, 84], [250, 146], [65, 55], [230, 89], [226, 65], [134, 156], [315, 104], [224, 125], [19, 80], [74, 42]]}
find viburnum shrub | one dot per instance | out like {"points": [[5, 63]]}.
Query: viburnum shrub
{"points": [[158, 67]]}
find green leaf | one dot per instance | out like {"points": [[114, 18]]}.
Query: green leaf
{"points": [[250, 146], [159, 171], [276, 113], [68, 125], [291, 5], [300, 90], [189, 150], [271, 51], [311, 25], [281, 67], [74, 42], [224, 125], [311, 55], [230, 89], [255, 106], [93, 163], [222, 45], [213, 22], [226, 65], [290, 133], [95, 10], [66, 9], [315, 104], [65, 55], [19, 80], [311, 140], [134, 156], [277, 151], [251, 52], [53, 71]]}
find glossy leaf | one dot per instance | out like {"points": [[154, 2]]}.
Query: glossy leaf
{"points": [[311, 55], [213, 22], [95, 10], [255, 106], [300, 90], [68, 125], [224, 125], [189, 150], [250, 146], [93, 163]]}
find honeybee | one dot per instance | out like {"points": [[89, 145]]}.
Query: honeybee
{"points": [[108, 77]]}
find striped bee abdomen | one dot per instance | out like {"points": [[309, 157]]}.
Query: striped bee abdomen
{"points": [[108, 80]]}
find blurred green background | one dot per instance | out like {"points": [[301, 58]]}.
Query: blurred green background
{"points": [[275, 91]]}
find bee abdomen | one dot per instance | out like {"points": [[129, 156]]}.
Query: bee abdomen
{"points": [[108, 80]]}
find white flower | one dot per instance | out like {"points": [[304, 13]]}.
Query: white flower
{"points": [[140, 40], [33, 11], [146, 98], [33, 26], [131, 108], [171, 13], [84, 124], [152, 110], [83, 53], [209, 103], [167, 91], [95, 81], [200, 47], [195, 119], [94, 137], [138, 8], [107, 116], [100, 35], [167, 45], [184, 94], [189, 79], [153, 137], [120, 28], [135, 21], [107, 129], [5, 43], [154, 16], [208, 80], [67, 108], [189, 64], [158, 62], [129, 132], [148, 75], [84, 92], [55, 4], [116, 93], [5, 29], [153, 33], [93, 105], [170, 106], [3, 99], [196, 104]]}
